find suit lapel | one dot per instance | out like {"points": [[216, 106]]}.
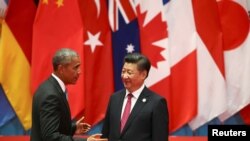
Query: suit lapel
{"points": [[61, 93], [119, 110], [137, 108]]}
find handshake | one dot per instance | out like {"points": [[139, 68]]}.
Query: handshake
{"points": [[96, 137], [82, 127]]}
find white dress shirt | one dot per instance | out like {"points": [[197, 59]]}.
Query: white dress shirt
{"points": [[136, 95]]}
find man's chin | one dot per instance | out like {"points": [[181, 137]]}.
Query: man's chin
{"points": [[72, 83]]}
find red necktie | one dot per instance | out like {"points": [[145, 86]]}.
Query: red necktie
{"points": [[126, 111]]}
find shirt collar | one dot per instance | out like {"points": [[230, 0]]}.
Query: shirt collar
{"points": [[136, 93], [60, 82]]}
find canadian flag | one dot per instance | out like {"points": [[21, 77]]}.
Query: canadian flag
{"points": [[170, 46]]}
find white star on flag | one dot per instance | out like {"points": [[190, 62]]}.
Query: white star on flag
{"points": [[130, 48], [93, 41]]}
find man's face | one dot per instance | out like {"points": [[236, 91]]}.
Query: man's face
{"points": [[71, 71], [132, 78]]}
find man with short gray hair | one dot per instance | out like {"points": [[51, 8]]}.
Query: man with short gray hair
{"points": [[51, 118]]}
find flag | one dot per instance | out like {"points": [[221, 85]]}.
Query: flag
{"points": [[125, 34], [57, 25], [236, 40], [182, 52], [98, 70], [3, 7], [211, 74], [15, 58], [6, 112], [244, 113]]}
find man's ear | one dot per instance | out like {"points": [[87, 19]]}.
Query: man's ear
{"points": [[144, 74], [60, 68]]}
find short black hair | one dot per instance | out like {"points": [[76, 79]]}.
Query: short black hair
{"points": [[142, 61]]}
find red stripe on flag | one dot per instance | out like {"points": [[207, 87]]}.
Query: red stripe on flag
{"points": [[16, 24], [128, 9]]}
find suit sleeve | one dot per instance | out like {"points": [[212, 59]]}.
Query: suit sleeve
{"points": [[50, 120], [160, 121], [73, 126], [106, 124]]}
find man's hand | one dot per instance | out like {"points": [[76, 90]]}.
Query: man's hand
{"points": [[96, 137], [82, 127]]}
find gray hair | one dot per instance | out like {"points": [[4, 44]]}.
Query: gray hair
{"points": [[63, 56]]}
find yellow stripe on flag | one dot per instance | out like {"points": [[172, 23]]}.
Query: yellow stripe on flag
{"points": [[15, 76]]}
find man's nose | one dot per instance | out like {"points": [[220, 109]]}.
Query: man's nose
{"points": [[125, 75], [79, 71]]}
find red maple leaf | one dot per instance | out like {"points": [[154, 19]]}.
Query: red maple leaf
{"points": [[154, 31]]}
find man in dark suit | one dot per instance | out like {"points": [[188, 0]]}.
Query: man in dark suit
{"points": [[51, 119], [148, 116]]}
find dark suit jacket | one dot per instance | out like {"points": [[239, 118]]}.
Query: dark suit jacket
{"points": [[51, 119], [148, 120]]}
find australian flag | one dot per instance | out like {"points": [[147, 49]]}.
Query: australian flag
{"points": [[125, 35]]}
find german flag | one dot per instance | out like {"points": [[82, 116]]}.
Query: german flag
{"points": [[15, 57]]}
